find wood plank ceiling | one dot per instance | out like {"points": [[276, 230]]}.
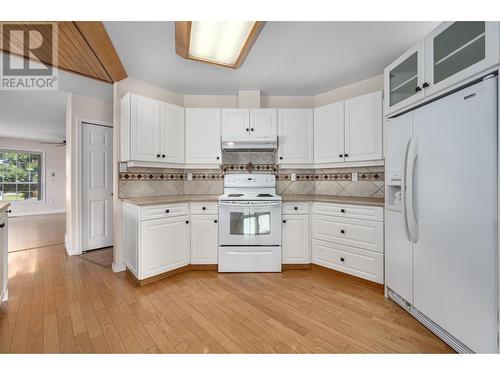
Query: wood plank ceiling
{"points": [[83, 48]]}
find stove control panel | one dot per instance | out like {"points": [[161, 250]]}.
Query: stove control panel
{"points": [[249, 180]]}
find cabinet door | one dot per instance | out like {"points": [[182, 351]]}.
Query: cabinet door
{"points": [[363, 127], [204, 239], [295, 239], [264, 122], [403, 79], [144, 129], [235, 123], [295, 130], [164, 245], [203, 136], [172, 133], [457, 50], [329, 133], [3, 257]]}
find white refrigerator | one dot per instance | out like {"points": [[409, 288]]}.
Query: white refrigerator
{"points": [[441, 242]]}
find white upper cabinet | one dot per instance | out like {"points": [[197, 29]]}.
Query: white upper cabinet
{"points": [[172, 133], [457, 50], [235, 123], [363, 127], [144, 129], [329, 133], [264, 122], [203, 131], [449, 55], [295, 131], [404, 78]]}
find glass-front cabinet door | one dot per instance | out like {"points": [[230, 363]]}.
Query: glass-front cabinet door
{"points": [[403, 80], [458, 50]]}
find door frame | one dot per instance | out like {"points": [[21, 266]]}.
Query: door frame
{"points": [[79, 177]]}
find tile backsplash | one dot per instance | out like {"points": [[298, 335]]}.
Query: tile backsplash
{"points": [[335, 181]]}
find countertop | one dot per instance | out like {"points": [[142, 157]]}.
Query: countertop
{"points": [[147, 201], [362, 201], [4, 206]]}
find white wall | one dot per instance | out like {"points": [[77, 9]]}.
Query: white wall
{"points": [[54, 187], [79, 108], [350, 91]]}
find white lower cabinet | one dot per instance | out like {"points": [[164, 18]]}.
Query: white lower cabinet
{"points": [[156, 245], [295, 246], [204, 229], [342, 242]]}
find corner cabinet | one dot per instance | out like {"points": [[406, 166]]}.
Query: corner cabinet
{"points": [[448, 56], [203, 135], [295, 135], [152, 132], [348, 131]]}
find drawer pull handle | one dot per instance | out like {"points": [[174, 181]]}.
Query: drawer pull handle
{"points": [[342, 231], [215, 221], [157, 155], [167, 211], [341, 259], [203, 208], [8, 211], [341, 155], [187, 221], [342, 210], [284, 221], [2, 225], [295, 208]]}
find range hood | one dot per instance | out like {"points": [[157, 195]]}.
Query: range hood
{"points": [[250, 144]]}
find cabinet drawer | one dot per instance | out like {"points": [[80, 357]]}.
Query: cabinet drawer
{"points": [[361, 263], [364, 234], [200, 208], [163, 210], [349, 211], [296, 208]]}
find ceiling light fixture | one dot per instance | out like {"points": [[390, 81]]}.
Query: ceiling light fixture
{"points": [[221, 43]]}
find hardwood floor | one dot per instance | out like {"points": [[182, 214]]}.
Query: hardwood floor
{"points": [[69, 304]]}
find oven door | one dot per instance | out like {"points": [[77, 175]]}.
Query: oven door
{"points": [[249, 223]]}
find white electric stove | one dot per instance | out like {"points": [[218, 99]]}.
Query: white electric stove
{"points": [[249, 224]]}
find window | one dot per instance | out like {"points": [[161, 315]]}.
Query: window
{"points": [[20, 175]]}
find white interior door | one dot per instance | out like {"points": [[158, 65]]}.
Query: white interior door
{"points": [[455, 200], [97, 186]]}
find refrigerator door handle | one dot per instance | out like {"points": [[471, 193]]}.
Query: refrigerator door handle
{"points": [[411, 160], [404, 214]]}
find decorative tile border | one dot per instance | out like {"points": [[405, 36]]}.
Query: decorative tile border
{"points": [[146, 176], [208, 176], [250, 167], [370, 176]]}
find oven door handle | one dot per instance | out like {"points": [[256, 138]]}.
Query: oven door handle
{"points": [[250, 205]]}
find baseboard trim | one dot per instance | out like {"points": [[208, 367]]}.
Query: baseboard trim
{"points": [[118, 267]]}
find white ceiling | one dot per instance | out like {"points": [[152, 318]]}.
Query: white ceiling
{"points": [[41, 115], [289, 58]]}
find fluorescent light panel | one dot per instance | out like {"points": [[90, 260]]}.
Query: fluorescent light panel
{"points": [[218, 42]]}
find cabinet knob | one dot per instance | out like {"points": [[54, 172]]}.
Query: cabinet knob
{"points": [[284, 221], [341, 155], [218, 157], [342, 231], [187, 221], [341, 259], [203, 208], [342, 210], [426, 84], [247, 129], [251, 129], [281, 157], [418, 88], [167, 211], [346, 155], [157, 155], [215, 221], [2, 225], [295, 208], [163, 156]]}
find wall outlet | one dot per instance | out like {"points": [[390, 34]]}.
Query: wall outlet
{"points": [[293, 177], [122, 167], [190, 177], [354, 176]]}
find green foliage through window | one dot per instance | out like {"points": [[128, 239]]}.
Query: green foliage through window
{"points": [[20, 175]]}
